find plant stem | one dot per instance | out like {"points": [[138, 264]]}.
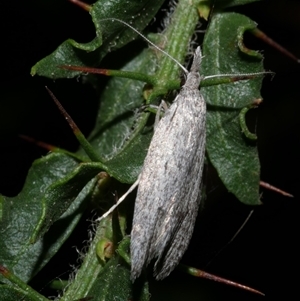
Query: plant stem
{"points": [[178, 35]]}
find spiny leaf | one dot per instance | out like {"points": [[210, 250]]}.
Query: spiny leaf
{"points": [[232, 154], [109, 35], [45, 198]]}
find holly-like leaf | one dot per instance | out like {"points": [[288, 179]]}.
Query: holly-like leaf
{"points": [[49, 195], [234, 156], [110, 36]]}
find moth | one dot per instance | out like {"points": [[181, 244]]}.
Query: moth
{"points": [[169, 185], [169, 190]]}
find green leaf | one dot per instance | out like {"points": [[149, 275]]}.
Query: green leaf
{"points": [[120, 134], [109, 36], [66, 191], [51, 193], [57, 187], [232, 154]]}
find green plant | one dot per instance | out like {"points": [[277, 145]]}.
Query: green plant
{"points": [[60, 185]]}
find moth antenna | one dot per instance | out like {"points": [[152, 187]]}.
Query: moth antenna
{"points": [[148, 41], [232, 238], [112, 208], [239, 74]]}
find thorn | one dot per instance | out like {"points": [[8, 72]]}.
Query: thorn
{"points": [[78, 134], [69, 119], [270, 187], [110, 72], [201, 274], [48, 147], [86, 69], [261, 35], [232, 239], [81, 4]]}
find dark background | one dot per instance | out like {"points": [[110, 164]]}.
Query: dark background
{"points": [[265, 254]]}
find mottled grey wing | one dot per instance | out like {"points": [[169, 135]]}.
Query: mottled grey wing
{"points": [[168, 195]]}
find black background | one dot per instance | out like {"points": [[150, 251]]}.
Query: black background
{"points": [[265, 255]]}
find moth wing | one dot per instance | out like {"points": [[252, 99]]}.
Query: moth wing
{"points": [[177, 225], [170, 185], [179, 240]]}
